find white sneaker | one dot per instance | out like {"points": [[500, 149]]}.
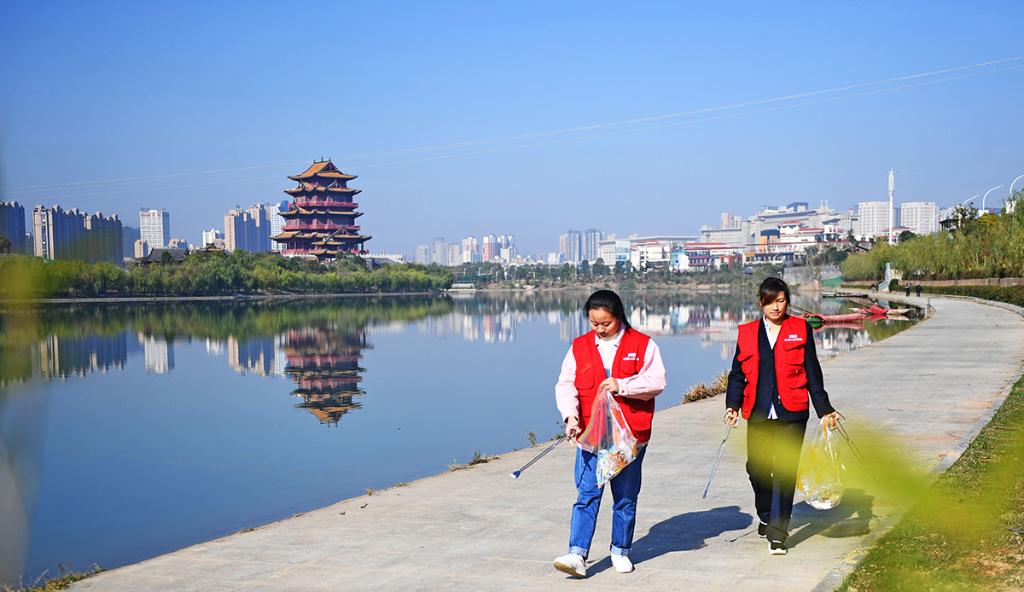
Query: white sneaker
{"points": [[622, 564], [572, 564]]}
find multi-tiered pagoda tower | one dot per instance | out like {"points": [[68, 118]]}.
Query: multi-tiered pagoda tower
{"points": [[321, 219]]}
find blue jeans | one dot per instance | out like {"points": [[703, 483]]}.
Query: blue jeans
{"points": [[625, 489]]}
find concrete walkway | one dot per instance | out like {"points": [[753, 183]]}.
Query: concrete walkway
{"points": [[938, 383]]}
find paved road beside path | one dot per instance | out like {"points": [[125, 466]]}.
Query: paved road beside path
{"points": [[936, 384]]}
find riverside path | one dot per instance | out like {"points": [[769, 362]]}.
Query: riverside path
{"points": [[936, 384]]}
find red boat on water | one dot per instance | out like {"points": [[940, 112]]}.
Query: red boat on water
{"points": [[880, 311], [839, 318]]}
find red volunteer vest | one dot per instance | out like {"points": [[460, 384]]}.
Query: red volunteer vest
{"points": [[789, 363], [629, 359]]}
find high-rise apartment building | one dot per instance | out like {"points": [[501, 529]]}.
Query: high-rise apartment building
{"points": [[277, 222], [570, 246], [73, 234], [470, 250], [128, 237], [921, 217], [239, 231], [155, 227], [260, 216], [491, 249], [591, 238], [439, 251], [454, 255], [12, 226], [423, 255], [873, 219]]}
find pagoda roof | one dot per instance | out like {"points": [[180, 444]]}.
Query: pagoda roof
{"points": [[315, 210], [322, 168], [311, 188]]}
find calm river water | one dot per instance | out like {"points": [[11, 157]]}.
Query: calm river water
{"points": [[127, 431]]}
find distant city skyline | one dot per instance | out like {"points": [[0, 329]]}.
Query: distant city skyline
{"points": [[692, 112]]}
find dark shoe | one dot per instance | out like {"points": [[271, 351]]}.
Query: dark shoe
{"points": [[762, 529], [777, 548]]}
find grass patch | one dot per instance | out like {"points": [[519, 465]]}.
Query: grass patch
{"points": [[62, 582], [967, 532], [1007, 294], [478, 459], [705, 391]]}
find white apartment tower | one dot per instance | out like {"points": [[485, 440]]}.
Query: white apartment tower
{"points": [[155, 227], [921, 217], [873, 219]]}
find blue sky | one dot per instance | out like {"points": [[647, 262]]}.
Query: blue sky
{"points": [[92, 93]]}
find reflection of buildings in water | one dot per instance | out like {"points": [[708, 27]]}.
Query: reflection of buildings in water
{"points": [[572, 325], [489, 328], [259, 356], [387, 328], [673, 320], [60, 357], [214, 347], [324, 363], [726, 352], [832, 341], [158, 353]]}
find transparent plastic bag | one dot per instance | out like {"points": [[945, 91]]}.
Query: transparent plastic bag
{"points": [[821, 470], [609, 437]]}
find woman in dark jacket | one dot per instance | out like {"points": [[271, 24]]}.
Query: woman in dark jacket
{"points": [[774, 372]]}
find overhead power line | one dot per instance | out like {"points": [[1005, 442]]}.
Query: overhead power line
{"points": [[588, 131]]}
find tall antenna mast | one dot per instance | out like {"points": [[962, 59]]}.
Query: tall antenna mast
{"points": [[892, 225]]}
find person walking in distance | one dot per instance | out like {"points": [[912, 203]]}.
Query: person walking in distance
{"points": [[774, 371], [620, 360]]}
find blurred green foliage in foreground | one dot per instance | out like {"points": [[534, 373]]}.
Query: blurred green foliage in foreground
{"points": [[967, 531]]}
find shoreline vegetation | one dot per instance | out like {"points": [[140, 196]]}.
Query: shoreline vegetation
{"points": [[61, 582], [240, 275], [206, 274], [991, 246]]}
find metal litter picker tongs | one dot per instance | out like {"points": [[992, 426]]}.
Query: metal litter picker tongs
{"points": [[718, 458], [515, 474]]}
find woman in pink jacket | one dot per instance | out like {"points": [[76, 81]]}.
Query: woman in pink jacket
{"points": [[616, 358]]}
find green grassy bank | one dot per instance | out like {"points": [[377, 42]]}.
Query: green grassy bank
{"points": [[1010, 294], [967, 533]]}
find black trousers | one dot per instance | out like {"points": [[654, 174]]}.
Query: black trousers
{"points": [[773, 453]]}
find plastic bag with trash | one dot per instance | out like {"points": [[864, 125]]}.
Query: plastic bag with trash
{"points": [[821, 470], [609, 437]]}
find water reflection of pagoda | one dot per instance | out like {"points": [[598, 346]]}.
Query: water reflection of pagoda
{"points": [[321, 220], [324, 363]]}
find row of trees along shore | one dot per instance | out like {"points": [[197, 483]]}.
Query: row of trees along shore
{"points": [[991, 246], [212, 274], [621, 275]]}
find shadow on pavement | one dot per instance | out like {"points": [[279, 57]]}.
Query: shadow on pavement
{"points": [[684, 532], [852, 517]]}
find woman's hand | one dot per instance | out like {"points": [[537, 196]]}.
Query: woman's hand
{"points": [[572, 427], [731, 415], [609, 384], [832, 419]]}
